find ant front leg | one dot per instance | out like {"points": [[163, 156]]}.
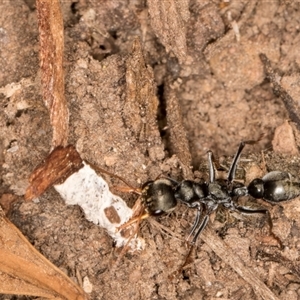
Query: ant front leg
{"points": [[233, 207], [199, 223], [196, 223], [200, 229], [233, 167], [211, 167], [246, 210]]}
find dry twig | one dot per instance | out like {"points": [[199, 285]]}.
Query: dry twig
{"points": [[51, 62], [290, 104]]}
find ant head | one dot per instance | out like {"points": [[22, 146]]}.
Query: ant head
{"points": [[256, 188], [158, 196]]}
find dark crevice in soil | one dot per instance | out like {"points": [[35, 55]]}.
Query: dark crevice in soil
{"points": [[161, 117]]}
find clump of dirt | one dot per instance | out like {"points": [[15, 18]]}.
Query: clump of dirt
{"points": [[143, 102]]}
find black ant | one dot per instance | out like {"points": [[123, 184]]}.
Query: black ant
{"points": [[161, 195]]}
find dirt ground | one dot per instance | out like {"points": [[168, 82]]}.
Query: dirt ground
{"points": [[125, 104]]}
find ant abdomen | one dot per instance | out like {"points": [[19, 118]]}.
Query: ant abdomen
{"points": [[275, 186]]}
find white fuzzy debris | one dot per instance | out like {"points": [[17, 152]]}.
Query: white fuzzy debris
{"points": [[13, 149], [10, 89], [236, 30], [86, 285], [91, 192]]}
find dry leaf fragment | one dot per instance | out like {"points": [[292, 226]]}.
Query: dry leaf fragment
{"points": [[24, 271], [51, 62], [57, 167]]}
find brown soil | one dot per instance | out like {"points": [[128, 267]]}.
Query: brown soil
{"points": [[223, 97]]}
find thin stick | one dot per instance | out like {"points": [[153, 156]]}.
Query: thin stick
{"points": [[135, 190], [235, 262]]}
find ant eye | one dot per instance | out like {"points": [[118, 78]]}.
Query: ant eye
{"points": [[158, 212], [147, 183], [240, 191]]}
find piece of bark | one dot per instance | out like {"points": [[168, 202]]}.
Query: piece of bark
{"points": [[141, 103], [6, 202], [168, 20], [24, 271], [178, 139], [284, 140], [51, 62], [57, 167]]}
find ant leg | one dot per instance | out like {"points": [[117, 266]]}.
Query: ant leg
{"points": [[233, 207], [200, 229], [211, 167], [192, 243], [246, 210], [232, 170], [167, 177], [125, 189], [126, 247], [112, 175], [137, 215], [134, 220], [196, 223], [192, 235]]}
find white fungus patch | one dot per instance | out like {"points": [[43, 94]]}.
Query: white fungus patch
{"points": [[91, 192]]}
